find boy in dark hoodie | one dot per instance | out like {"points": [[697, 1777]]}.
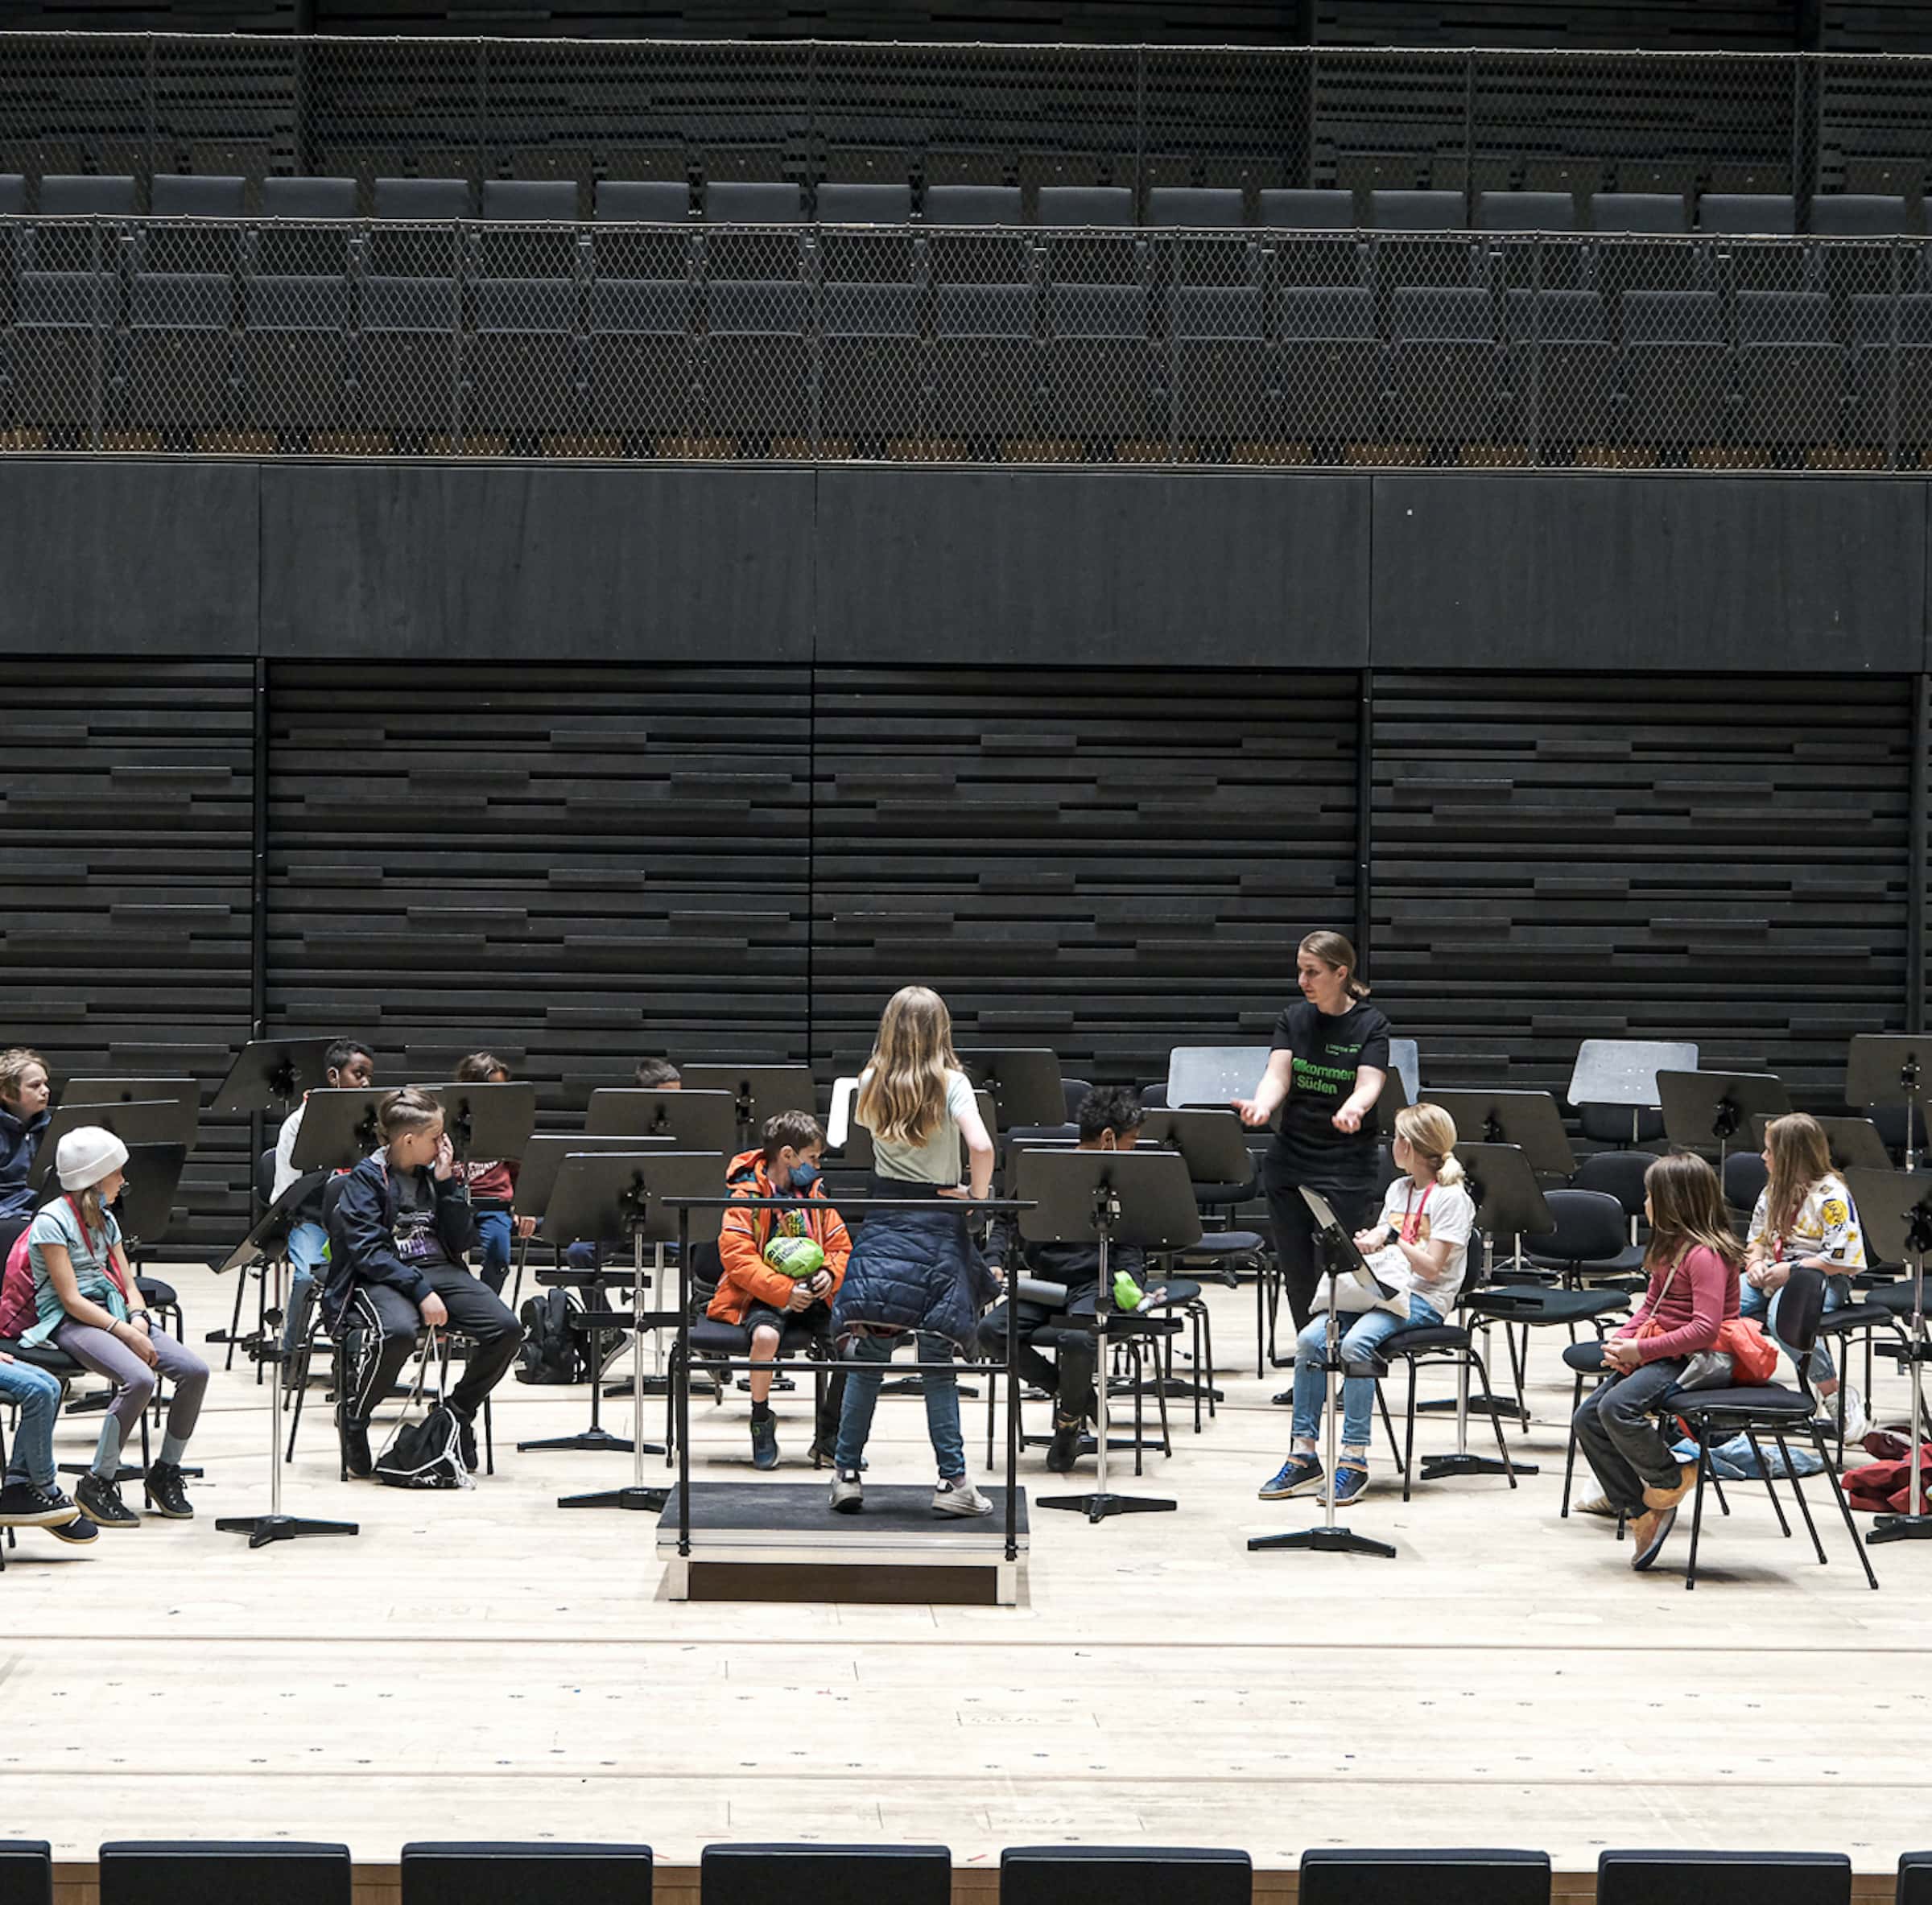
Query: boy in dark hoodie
{"points": [[758, 1291], [23, 1116]]}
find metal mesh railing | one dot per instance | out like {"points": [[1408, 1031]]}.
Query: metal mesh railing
{"points": [[967, 344], [1255, 118]]}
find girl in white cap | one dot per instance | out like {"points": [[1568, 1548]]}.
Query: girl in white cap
{"points": [[87, 1304]]}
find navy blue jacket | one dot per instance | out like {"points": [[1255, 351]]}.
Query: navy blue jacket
{"points": [[916, 1270], [18, 1142], [362, 1233]]}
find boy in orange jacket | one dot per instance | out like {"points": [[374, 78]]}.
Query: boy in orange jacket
{"points": [[780, 1267]]}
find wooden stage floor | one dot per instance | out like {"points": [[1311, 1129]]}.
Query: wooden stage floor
{"points": [[483, 1665]]}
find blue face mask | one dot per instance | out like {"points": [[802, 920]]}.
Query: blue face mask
{"points": [[804, 1177]]}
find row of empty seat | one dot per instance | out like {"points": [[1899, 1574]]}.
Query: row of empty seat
{"points": [[1107, 207]]}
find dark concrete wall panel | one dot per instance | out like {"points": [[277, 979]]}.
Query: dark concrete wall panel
{"points": [[521, 561], [1752, 574], [1079, 566], [107, 558]]}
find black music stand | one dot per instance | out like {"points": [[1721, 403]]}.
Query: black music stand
{"points": [[1530, 1120], [1711, 1110], [1106, 1198], [277, 1525], [147, 1205], [542, 1158], [1856, 1143], [758, 1091], [147, 1121], [339, 1130], [1340, 1259], [270, 1075], [693, 1120], [1895, 1208], [1887, 1068], [1501, 1183], [611, 1197], [487, 1121], [1025, 1082]]}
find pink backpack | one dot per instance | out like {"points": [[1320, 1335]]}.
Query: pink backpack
{"points": [[17, 1308]]}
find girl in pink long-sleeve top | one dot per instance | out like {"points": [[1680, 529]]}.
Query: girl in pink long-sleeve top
{"points": [[1693, 1261]]}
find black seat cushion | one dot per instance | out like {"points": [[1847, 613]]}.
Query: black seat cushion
{"points": [[1523, 1304], [1180, 1290], [1772, 1400], [1222, 1242], [1416, 1337], [1855, 1316], [1587, 1357], [55, 1362], [712, 1337]]}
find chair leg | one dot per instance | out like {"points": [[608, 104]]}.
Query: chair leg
{"points": [[1798, 1488], [235, 1322], [1576, 1402], [1206, 1322], [1496, 1421], [489, 1438], [1844, 1511], [1764, 1468], [1409, 1434], [1382, 1408], [1697, 1508]]}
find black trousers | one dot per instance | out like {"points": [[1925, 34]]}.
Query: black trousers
{"points": [[378, 1329], [1354, 1205], [1067, 1376]]}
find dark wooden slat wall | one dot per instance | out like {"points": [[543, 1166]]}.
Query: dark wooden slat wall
{"points": [[583, 865], [124, 946], [1107, 862], [1559, 858]]}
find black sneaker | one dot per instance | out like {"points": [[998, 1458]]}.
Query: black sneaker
{"points": [[100, 1502], [77, 1533], [164, 1492], [24, 1505], [355, 1451], [466, 1439], [764, 1441], [1064, 1451]]}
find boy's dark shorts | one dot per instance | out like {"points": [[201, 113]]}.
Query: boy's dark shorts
{"points": [[817, 1318]]}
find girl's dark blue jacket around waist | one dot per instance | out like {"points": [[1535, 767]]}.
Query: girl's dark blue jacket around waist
{"points": [[19, 1139], [362, 1233], [915, 1270]]}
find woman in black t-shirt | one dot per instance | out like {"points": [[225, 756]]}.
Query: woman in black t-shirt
{"points": [[1331, 1057]]}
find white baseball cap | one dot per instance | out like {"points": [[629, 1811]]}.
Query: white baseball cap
{"points": [[85, 1156]]}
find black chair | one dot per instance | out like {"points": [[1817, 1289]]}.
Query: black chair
{"points": [[223, 1872], [1772, 1409], [643, 201], [1338, 1875], [1914, 1877], [1591, 1241], [1124, 1875], [1767, 213], [68, 317], [27, 1869], [528, 201], [460, 1872], [1618, 1174], [1306, 208], [642, 314], [1526, 212], [1098, 360], [1791, 370], [973, 205], [1445, 368], [864, 204], [1675, 356], [757, 349], [1723, 1878], [1330, 363], [825, 1875], [1859, 215], [1195, 207], [1395, 211], [747, 201], [174, 194], [76, 195], [1621, 1125], [1745, 1176]]}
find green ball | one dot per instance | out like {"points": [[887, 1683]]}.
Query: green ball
{"points": [[798, 1257]]}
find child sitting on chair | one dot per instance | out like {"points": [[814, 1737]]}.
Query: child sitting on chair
{"points": [[1420, 1247], [398, 1233], [780, 1267]]}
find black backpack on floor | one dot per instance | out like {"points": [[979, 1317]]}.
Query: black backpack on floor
{"points": [[553, 1352]]}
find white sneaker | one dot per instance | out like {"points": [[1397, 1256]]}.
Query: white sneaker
{"points": [[1857, 1424], [1598, 1503], [847, 1494], [960, 1498]]}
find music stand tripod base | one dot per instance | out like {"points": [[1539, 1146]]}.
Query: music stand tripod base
{"points": [[1326, 1539], [1098, 1505], [652, 1499], [275, 1526]]}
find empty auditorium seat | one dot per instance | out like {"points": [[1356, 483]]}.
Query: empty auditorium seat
{"points": [[1630, 217], [297, 311], [1103, 206], [865, 204], [464, 1872], [68, 318], [71, 195], [825, 1875], [1774, 214], [643, 201], [1419, 211], [529, 201], [424, 199], [1858, 215], [758, 354], [26, 1872], [181, 345], [1201, 206], [742, 201], [1639, 211], [1914, 1878], [1722, 1878], [1893, 337], [1330, 364], [223, 1872], [1218, 345], [1294, 208], [1790, 368], [641, 318], [1125, 1875], [973, 205], [1526, 212], [1337, 1875], [873, 299], [521, 367], [1444, 368], [1675, 357], [173, 196], [1563, 361], [985, 350], [309, 198], [13, 203]]}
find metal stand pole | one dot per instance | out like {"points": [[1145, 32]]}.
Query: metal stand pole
{"points": [[275, 1526], [636, 1495]]}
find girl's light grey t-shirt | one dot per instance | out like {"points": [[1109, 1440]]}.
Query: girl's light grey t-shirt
{"points": [[936, 1158]]}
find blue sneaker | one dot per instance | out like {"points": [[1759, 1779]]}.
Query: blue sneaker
{"points": [[1297, 1475], [1349, 1483]]}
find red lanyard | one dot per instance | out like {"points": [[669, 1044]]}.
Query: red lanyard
{"points": [[1412, 1220]]}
